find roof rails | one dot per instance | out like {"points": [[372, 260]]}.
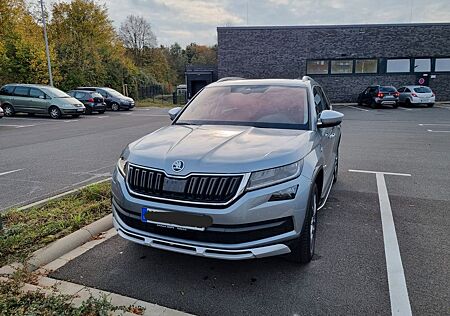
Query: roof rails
{"points": [[229, 78]]}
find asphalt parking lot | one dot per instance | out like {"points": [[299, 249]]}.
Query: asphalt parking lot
{"points": [[349, 273], [41, 157]]}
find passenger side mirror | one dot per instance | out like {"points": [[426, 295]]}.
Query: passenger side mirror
{"points": [[174, 112], [329, 118], [42, 97]]}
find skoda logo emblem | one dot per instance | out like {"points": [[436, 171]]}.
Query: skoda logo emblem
{"points": [[178, 165]]}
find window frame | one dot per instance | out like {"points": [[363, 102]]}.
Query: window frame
{"points": [[367, 73], [21, 96], [352, 72], [410, 60], [422, 71], [434, 61], [327, 61], [36, 97]]}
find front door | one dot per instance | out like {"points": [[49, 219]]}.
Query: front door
{"points": [[37, 101]]}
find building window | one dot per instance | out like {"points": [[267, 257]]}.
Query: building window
{"points": [[422, 65], [317, 67], [341, 66], [442, 64], [398, 65], [366, 66]]}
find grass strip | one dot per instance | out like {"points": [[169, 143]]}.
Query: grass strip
{"points": [[29, 230]]}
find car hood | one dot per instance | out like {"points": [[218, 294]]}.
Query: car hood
{"points": [[220, 149], [126, 99]]}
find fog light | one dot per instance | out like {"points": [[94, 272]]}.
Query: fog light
{"points": [[285, 194]]}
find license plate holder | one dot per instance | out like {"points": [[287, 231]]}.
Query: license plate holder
{"points": [[176, 220]]}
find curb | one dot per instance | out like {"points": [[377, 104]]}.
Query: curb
{"points": [[68, 243], [38, 203]]}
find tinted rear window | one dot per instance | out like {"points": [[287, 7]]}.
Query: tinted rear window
{"points": [[21, 91], [388, 89], [6, 90], [422, 90]]}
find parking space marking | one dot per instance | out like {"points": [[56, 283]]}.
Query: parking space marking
{"points": [[8, 172], [434, 124], [398, 292], [16, 126], [431, 131], [403, 108], [355, 107]]}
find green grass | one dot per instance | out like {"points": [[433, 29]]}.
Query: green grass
{"points": [[156, 103], [28, 230], [15, 302]]}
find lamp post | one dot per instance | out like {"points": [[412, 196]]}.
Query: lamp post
{"points": [[46, 45]]}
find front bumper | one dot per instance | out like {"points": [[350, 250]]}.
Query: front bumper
{"points": [[126, 105], [80, 110], [250, 209]]}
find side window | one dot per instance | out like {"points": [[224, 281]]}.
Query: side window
{"points": [[407, 90], [103, 93], [318, 100], [372, 90], [325, 102], [7, 90], [36, 93], [21, 91], [401, 89], [79, 95]]}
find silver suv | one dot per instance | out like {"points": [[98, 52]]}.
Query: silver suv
{"points": [[240, 173]]}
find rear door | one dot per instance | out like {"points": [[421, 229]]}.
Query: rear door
{"points": [[21, 99], [37, 101]]}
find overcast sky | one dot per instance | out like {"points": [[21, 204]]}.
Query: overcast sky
{"points": [[186, 21]]}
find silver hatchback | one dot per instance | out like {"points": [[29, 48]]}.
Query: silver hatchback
{"points": [[239, 174]]}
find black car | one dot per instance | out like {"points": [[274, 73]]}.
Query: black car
{"points": [[379, 95], [114, 100], [93, 101]]}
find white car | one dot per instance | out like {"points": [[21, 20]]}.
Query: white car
{"points": [[416, 95], [1, 113]]}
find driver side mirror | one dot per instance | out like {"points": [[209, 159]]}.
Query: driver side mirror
{"points": [[174, 112], [41, 97], [329, 118]]}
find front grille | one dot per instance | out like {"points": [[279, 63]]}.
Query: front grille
{"points": [[195, 188], [222, 234]]}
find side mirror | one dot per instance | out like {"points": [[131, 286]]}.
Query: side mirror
{"points": [[174, 112], [329, 118], [42, 97]]}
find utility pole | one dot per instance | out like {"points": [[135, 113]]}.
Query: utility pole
{"points": [[46, 45]]}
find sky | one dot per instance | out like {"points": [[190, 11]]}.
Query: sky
{"points": [[187, 21]]}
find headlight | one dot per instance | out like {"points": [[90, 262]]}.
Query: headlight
{"points": [[268, 177], [122, 166]]}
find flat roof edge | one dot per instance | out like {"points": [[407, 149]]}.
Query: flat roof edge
{"points": [[325, 26]]}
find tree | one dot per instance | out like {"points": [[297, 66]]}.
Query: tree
{"points": [[87, 47], [137, 35], [201, 54]]}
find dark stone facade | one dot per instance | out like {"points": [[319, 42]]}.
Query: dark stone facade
{"points": [[282, 52]]}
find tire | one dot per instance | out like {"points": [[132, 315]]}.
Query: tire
{"points": [[430, 105], [302, 249], [115, 107], [373, 104], [101, 112], [395, 105], [88, 110], [9, 110], [408, 103], [55, 112]]}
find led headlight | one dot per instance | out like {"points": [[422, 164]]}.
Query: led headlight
{"points": [[268, 177], [122, 166]]}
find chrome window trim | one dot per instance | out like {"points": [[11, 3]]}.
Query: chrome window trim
{"points": [[240, 191]]}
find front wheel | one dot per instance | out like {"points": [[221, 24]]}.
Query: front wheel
{"points": [[302, 249], [55, 112], [115, 107], [9, 110]]}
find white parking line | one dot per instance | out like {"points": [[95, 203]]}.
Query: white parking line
{"points": [[434, 124], [402, 108], [355, 107], [8, 172], [398, 292], [16, 126], [431, 131]]}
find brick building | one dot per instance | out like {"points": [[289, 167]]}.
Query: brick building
{"points": [[343, 58]]}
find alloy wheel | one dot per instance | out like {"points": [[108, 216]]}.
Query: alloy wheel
{"points": [[9, 111], [55, 113]]}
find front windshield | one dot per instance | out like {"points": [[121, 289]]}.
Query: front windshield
{"points": [[114, 93], [56, 93], [270, 106]]}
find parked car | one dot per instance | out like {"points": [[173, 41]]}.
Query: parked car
{"points": [[240, 173], [114, 100], [416, 95], [92, 101], [1, 113], [38, 99], [379, 95]]}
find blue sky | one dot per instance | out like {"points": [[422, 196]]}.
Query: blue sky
{"points": [[187, 21]]}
